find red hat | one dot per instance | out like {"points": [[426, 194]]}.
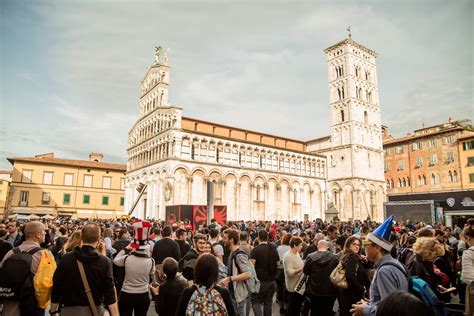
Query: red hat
{"points": [[141, 232]]}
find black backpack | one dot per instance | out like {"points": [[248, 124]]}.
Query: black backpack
{"points": [[16, 280]]}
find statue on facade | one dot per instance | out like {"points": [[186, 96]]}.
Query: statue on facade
{"points": [[158, 53]]}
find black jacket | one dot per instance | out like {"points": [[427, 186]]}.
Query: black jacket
{"points": [[68, 288], [356, 275], [318, 267], [425, 271], [187, 263], [164, 248], [166, 302]]}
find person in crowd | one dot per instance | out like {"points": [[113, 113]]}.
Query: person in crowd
{"points": [[14, 237], [426, 250], [282, 249], [265, 259], [182, 242], [186, 264], [244, 244], [217, 298], [356, 275], [59, 242], [406, 250], [390, 274], [332, 234], [108, 235], [467, 273], [34, 233], [73, 241], [4, 245], [216, 244], [68, 285], [402, 303], [123, 239], [167, 295], [318, 267], [293, 267], [314, 245], [166, 247], [139, 270], [238, 271], [222, 266]]}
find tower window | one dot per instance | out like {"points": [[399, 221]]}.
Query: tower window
{"points": [[192, 151], [342, 115], [217, 154], [366, 117]]}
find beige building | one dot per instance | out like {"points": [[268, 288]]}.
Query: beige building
{"points": [[5, 179], [466, 161], [45, 184], [427, 160]]}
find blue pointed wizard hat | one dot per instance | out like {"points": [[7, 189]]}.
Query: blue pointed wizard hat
{"points": [[381, 235]]}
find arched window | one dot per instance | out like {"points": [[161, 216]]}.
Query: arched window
{"points": [[391, 184], [388, 184], [342, 92], [399, 183], [404, 182], [450, 176], [433, 178], [342, 115], [357, 92], [455, 176], [408, 181], [366, 117], [360, 93], [368, 96]]}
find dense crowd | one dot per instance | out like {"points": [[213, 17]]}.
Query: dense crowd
{"points": [[119, 266]]}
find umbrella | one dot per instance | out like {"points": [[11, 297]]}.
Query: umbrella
{"points": [[47, 216], [34, 216]]}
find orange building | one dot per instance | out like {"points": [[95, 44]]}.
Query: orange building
{"points": [[427, 160]]}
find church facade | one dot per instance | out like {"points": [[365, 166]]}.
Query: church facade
{"points": [[256, 175]]}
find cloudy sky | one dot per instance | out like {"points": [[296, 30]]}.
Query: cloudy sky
{"points": [[71, 70]]}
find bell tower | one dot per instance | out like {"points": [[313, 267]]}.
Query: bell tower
{"points": [[355, 156]]}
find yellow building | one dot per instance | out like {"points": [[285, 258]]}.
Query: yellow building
{"points": [[466, 161], [44, 185], [5, 179]]}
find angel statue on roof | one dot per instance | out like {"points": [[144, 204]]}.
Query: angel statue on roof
{"points": [[158, 53]]}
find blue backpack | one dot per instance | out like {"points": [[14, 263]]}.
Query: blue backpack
{"points": [[421, 289]]}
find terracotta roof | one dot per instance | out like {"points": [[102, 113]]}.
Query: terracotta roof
{"points": [[70, 162], [414, 136], [239, 129], [5, 172], [466, 137]]}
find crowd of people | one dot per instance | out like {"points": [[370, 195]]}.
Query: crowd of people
{"points": [[120, 266]]}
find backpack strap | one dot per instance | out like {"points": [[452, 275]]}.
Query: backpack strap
{"points": [[400, 268]]}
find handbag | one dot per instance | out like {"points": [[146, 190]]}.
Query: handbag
{"points": [[300, 286], [338, 277]]}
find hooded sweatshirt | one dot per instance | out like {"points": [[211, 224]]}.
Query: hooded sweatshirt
{"points": [[67, 283], [318, 267]]}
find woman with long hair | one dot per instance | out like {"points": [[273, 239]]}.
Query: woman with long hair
{"points": [[293, 267], [356, 274], [205, 296], [73, 241]]}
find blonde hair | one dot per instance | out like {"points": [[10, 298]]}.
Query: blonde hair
{"points": [[73, 241], [428, 248]]}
